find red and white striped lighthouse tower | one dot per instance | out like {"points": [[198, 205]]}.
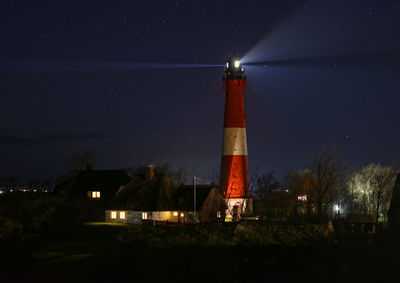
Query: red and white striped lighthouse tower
{"points": [[234, 163]]}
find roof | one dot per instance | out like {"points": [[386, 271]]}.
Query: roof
{"points": [[77, 183], [185, 194], [154, 195]]}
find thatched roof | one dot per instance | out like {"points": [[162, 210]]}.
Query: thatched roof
{"points": [[77, 183], [154, 195], [185, 194]]}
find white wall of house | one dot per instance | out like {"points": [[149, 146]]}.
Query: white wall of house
{"points": [[137, 217], [127, 216]]}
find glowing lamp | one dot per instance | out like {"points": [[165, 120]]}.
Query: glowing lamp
{"points": [[237, 64]]}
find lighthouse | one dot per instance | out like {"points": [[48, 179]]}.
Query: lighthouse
{"points": [[234, 162]]}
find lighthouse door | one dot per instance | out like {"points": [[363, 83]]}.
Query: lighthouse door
{"points": [[235, 213]]}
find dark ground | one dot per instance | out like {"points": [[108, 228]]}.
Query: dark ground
{"points": [[93, 254]]}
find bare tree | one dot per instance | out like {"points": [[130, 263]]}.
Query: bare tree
{"points": [[181, 175], [371, 189], [266, 185], [213, 174], [254, 175], [296, 184], [82, 160], [326, 173]]}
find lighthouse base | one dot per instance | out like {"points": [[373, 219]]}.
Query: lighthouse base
{"points": [[238, 207]]}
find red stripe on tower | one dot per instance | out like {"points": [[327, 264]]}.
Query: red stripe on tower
{"points": [[234, 163]]}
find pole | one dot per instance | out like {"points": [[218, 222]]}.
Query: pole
{"points": [[194, 196]]}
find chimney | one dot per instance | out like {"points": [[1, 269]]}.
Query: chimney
{"points": [[149, 173]]}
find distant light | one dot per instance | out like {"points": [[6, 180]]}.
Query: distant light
{"points": [[144, 215], [113, 214], [227, 64], [302, 197], [336, 207], [182, 214], [175, 213], [287, 191], [237, 64], [1, 192]]}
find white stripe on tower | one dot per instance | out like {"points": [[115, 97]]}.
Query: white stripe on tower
{"points": [[234, 141]]}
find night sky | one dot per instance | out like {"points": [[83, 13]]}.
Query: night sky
{"points": [[76, 75]]}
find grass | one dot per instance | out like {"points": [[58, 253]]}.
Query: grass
{"points": [[110, 260], [104, 224], [98, 252]]}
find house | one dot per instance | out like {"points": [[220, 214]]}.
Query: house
{"points": [[143, 195], [88, 193], [92, 184], [210, 204], [156, 197]]}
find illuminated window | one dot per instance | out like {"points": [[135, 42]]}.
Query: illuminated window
{"points": [[175, 213], [122, 215], [182, 214], [302, 197], [94, 194], [218, 214], [113, 215], [144, 215]]}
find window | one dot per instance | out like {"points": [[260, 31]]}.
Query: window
{"points": [[218, 214], [113, 215], [144, 215], [175, 213], [122, 215], [302, 197], [95, 194]]}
